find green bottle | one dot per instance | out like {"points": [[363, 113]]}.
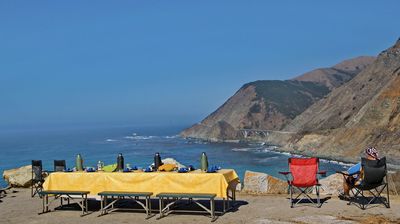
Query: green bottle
{"points": [[79, 163], [204, 162]]}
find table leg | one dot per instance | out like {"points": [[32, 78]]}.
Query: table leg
{"points": [[47, 202], [160, 199], [83, 204], [87, 205], [212, 206], [147, 206], [150, 205], [43, 204]]}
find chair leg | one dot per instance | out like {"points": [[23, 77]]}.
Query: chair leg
{"points": [[291, 195], [318, 199], [387, 193]]}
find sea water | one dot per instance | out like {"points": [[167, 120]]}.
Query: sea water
{"points": [[138, 146]]}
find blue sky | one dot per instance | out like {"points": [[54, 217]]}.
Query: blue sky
{"points": [[169, 62]]}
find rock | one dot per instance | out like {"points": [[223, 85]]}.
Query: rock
{"points": [[331, 184], [239, 187], [262, 183], [394, 182], [19, 177]]}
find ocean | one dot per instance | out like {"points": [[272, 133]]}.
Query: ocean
{"points": [[138, 146]]}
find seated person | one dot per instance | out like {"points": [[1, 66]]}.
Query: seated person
{"points": [[355, 178]]}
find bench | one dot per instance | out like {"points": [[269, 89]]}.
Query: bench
{"points": [[176, 197], [83, 203], [119, 195]]}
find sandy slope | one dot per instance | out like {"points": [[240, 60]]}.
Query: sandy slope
{"points": [[21, 208]]}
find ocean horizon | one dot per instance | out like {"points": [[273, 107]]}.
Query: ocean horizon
{"points": [[138, 146]]}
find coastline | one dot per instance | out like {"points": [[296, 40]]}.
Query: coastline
{"points": [[279, 149]]}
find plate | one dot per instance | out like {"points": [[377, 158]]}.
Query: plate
{"points": [[183, 170]]}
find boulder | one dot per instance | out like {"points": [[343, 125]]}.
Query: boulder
{"points": [[19, 177], [262, 183], [394, 182], [332, 184]]}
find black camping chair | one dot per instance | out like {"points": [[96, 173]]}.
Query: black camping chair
{"points": [[37, 177], [59, 165], [3, 191], [374, 181]]}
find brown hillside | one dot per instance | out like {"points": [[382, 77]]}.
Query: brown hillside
{"points": [[339, 74], [363, 112], [271, 104]]}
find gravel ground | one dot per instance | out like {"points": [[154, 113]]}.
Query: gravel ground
{"points": [[19, 207]]}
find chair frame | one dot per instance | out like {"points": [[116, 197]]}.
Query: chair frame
{"points": [[37, 182], [358, 190], [304, 191]]}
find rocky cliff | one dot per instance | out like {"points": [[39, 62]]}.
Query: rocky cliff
{"points": [[272, 104], [363, 112]]}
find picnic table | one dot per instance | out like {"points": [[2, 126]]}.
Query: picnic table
{"points": [[157, 182]]}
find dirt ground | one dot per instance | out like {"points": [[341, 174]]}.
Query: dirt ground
{"points": [[19, 207]]}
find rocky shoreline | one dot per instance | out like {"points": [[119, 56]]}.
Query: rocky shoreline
{"points": [[281, 149]]}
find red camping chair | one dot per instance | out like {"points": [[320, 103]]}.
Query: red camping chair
{"points": [[304, 173]]}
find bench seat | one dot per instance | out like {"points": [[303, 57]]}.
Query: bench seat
{"points": [[186, 195], [179, 196], [83, 202], [64, 192], [123, 193], [105, 208]]}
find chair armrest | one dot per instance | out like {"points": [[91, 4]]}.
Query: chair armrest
{"points": [[284, 173], [346, 174], [322, 173]]}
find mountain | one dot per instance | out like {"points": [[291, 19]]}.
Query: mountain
{"points": [[272, 104], [362, 112], [339, 74]]}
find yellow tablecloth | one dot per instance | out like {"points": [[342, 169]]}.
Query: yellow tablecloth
{"points": [[156, 182]]}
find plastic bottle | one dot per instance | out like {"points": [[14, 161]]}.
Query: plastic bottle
{"points": [[157, 161], [120, 162], [100, 166], [204, 162], [79, 163]]}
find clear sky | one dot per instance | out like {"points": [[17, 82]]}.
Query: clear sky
{"points": [[171, 62]]}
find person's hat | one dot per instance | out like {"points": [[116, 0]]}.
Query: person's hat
{"points": [[372, 151]]}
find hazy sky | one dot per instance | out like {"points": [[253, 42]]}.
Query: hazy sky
{"points": [[171, 62]]}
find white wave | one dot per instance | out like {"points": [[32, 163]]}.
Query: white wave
{"points": [[336, 162], [111, 140], [267, 159], [171, 136], [242, 149], [139, 137]]}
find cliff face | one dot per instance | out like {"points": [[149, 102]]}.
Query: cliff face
{"points": [[363, 112], [270, 105]]}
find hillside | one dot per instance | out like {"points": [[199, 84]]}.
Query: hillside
{"points": [[338, 74], [365, 111], [272, 104]]}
